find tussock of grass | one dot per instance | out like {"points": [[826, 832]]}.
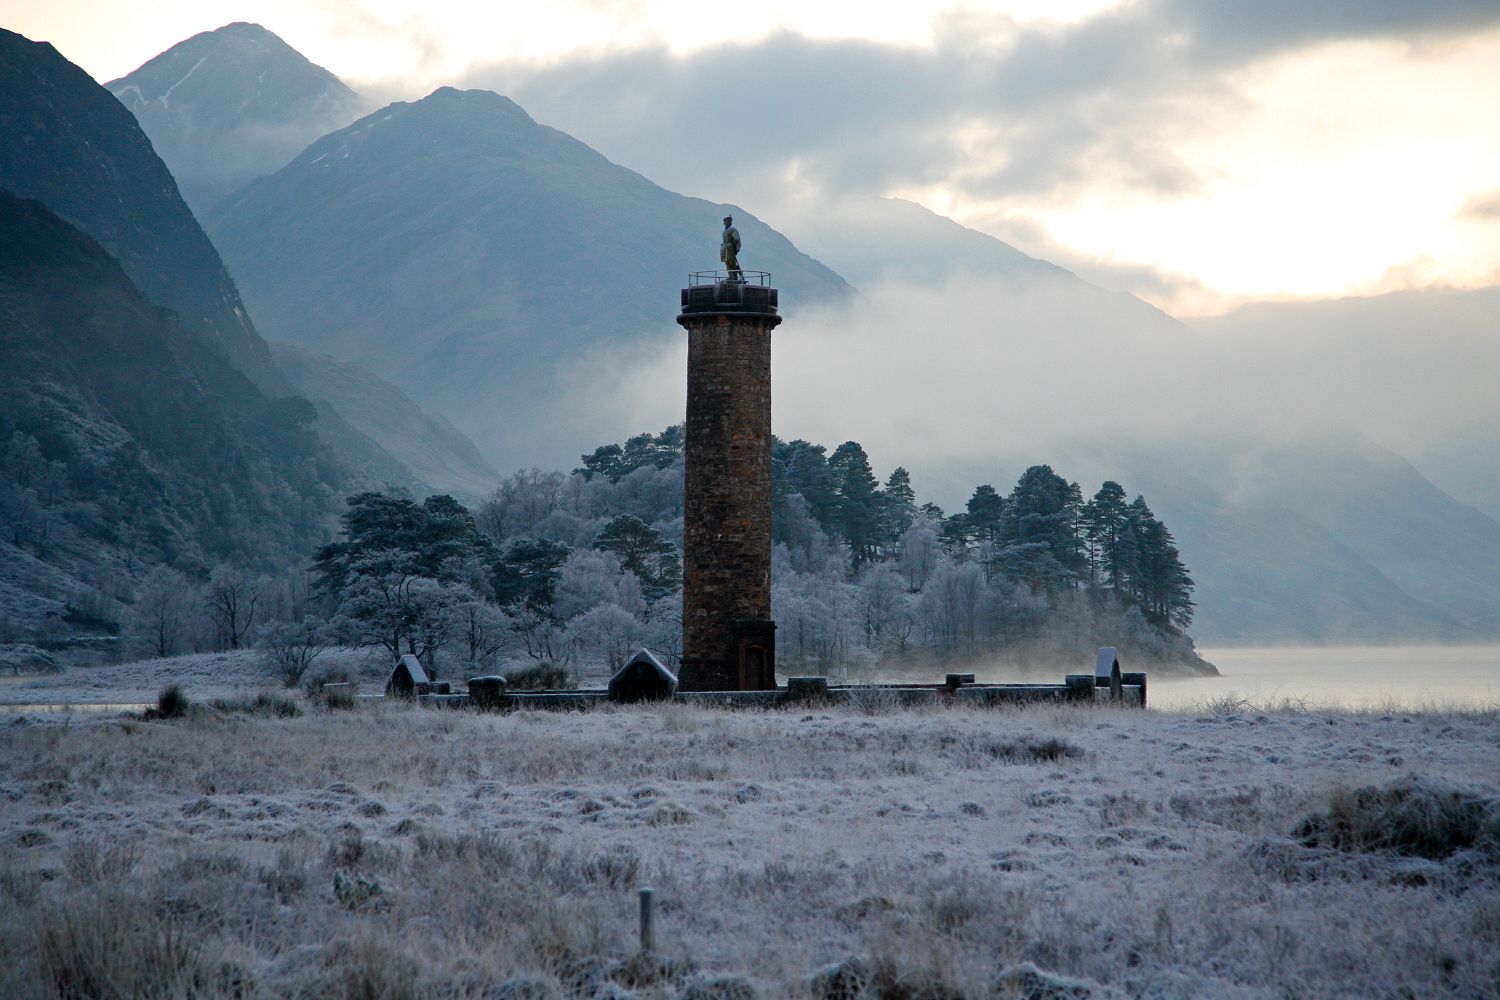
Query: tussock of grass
{"points": [[1035, 751], [264, 704], [543, 675], [172, 703], [112, 945], [1416, 816], [339, 699], [367, 968]]}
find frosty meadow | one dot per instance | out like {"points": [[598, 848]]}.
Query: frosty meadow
{"points": [[393, 851]]}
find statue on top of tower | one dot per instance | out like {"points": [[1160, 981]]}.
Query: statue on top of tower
{"points": [[729, 249]]}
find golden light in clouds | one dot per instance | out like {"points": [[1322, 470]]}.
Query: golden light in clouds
{"points": [[1345, 171]]}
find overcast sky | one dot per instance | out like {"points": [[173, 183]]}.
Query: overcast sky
{"points": [[1196, 153]]}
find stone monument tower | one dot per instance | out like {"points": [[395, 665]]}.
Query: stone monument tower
{"points": [[728, 637]]}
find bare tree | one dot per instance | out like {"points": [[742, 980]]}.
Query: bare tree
{"points": [[484, 630], [161, 620], [520, 503], [921, 550], [887, 609], [293, 646], [231, 602], [607, 631]]}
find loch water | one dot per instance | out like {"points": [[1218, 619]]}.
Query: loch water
{"points": [[1410, 678]]}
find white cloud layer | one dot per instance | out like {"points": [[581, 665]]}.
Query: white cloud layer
{"points": [[974, 381]]}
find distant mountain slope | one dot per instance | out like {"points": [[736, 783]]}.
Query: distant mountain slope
{"points": [[73, 147], [870, 240], [1417, 368], [1341, 541], [230, 105], [466, 253], [429, 446], [125, 442]]}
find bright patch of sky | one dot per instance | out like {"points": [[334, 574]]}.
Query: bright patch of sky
{"points": [[427, 42], [1348, 171]]}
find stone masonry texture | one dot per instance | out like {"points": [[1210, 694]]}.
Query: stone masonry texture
{"points": [[727, 534]]}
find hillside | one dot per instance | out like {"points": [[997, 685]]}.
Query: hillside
{"points": [[424, 444], [226, 106], [125, 442], [1415, 368], [467, 253], [73, 147], [1333, 541], [872, 240]]}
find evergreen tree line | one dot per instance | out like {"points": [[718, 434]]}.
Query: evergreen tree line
{"points": [[1043, 533], [579, 569]]}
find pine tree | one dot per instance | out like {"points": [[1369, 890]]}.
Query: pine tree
{"points": [[1039, 542], [643, 551], [1156, 580], [427, 539], [1103, 520], [614, 462], [801, 467], [857, 502], [898, 508], [525, 575], [986, 510]]}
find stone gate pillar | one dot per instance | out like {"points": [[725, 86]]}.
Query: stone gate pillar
{"points": [[728, 637]]}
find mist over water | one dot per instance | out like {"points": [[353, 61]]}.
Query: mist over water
{"points": [[1406, 678]]}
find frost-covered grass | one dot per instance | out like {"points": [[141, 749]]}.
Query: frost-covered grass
{"points": [[203, 676], [396, 851]]}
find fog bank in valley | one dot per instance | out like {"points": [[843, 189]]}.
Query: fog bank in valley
{"points": [[983, 377]]}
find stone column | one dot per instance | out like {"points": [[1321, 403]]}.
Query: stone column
{"points": [[728, 637]]}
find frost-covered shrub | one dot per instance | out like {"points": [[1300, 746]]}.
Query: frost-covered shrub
{"points": [[1419, 816], [291, 647], [172, 703], [543, 675]]}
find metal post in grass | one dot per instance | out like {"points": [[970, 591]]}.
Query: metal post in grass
{"points": [[648, 920]]}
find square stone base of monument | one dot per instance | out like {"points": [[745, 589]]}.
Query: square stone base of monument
{"points": [[699, 673], [749, 663]]}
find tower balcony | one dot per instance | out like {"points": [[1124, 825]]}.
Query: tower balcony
{"points": [[729, 292]]}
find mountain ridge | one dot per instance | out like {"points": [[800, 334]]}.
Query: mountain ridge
{"points": [[218, 121], [80, 152], [438, 243]]}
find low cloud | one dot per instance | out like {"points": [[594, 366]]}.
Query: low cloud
{"points": [[1484, 207], [976, 380]]}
